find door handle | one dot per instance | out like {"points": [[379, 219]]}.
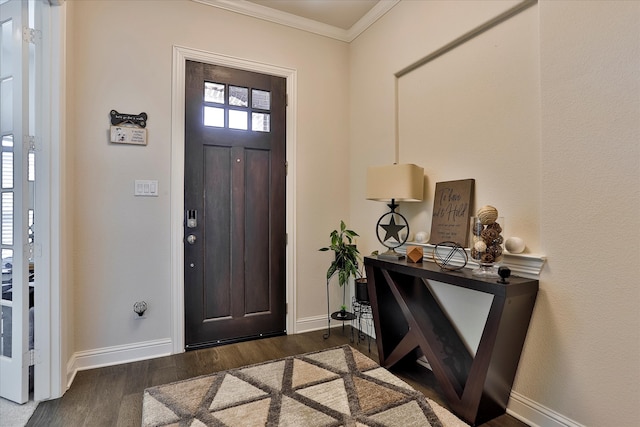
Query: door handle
{"points": [[191, 239]]}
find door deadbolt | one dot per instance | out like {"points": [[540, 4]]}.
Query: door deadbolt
{"points": [[192, 218], [191, 239]]}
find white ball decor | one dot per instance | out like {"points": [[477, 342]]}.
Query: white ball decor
{"points": [[421, 237], [514, 245], [480, 246]]}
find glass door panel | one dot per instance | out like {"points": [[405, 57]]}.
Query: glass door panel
{"points": [[15, 86]]}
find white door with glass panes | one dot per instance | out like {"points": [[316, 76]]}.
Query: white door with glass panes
{"points": [[18, 133]]}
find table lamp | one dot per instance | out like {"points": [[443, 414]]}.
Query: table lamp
{"points": [[402, 183]]}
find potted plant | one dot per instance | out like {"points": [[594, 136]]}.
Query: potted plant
{"points": [[343, 310], [345, 262]]}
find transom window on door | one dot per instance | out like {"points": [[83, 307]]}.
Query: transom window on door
{"points": [[234, 107]]}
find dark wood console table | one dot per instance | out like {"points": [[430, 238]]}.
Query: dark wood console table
{"points": [[409, 322]]}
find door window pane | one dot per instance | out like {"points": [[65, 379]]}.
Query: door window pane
{"points": [[7, 218], [214, 92], [7, 169], [260, 99], [5, 328], [235, 118], [238, 96], [260, 122], [5, 49], [32, 167], [30, 229], [214, 116], [238, 119], [5, 308], [6, 108]]}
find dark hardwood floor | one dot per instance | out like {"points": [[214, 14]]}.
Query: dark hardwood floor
{"points": [[112, 396]]}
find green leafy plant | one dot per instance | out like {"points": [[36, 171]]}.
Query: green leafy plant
{"points": [[347, 255]]}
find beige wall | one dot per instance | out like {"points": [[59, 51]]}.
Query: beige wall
{"points": [[121, 58], [578, 166], [581, 355], [589, 317], [463, 125]]}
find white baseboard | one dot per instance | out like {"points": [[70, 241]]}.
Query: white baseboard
{"points": [[108, 356], [526, 410], [316, 323], [115, 355], [535, 414]]}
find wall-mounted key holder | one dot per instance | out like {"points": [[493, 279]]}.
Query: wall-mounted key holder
{"points": [[128, 128]]}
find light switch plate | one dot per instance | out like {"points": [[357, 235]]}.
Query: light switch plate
{"points": [[146, 187]]}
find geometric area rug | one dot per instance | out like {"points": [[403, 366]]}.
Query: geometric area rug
{"points": [[335, 387]]}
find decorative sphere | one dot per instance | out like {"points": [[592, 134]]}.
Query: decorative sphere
{"points": [[480, 246], [487, 214], [514, 245], [421, 237]]}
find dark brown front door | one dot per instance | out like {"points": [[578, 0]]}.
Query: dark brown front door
{"points": [[235, 238]]}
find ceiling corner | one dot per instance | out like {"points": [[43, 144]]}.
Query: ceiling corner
{"points": [[305, 24]]}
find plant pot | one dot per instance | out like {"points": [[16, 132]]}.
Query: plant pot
{"points": [[362, 292]]}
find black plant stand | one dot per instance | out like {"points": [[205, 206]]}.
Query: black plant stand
{"points": [[362, 312], [338, 315]]}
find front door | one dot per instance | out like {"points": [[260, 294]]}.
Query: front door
{"points": [[235, 238]]}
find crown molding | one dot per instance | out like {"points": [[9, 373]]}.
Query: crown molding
{"points": [[283, 18], [376, 12]]}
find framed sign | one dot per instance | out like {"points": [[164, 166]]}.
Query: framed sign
{"points": [[128, 128], [128, 135], [451, 211]]}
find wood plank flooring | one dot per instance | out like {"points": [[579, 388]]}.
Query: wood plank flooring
{"points": [[112, 396]]}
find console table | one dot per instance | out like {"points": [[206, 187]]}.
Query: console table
{"points": [[409, 322]]}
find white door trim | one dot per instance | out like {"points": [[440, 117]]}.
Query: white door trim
{"points": [[180, 56], [50, 372]]}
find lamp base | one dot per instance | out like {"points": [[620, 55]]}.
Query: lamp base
{"points": [[391, 254]]}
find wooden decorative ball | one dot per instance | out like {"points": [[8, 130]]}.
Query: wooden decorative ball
{"points": [[487, 215]]}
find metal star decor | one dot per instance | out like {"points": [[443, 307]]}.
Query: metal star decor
{"points": [[392, 239], [392, 229]]}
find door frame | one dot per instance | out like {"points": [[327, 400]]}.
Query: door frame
{"points": [[180, 56]]}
